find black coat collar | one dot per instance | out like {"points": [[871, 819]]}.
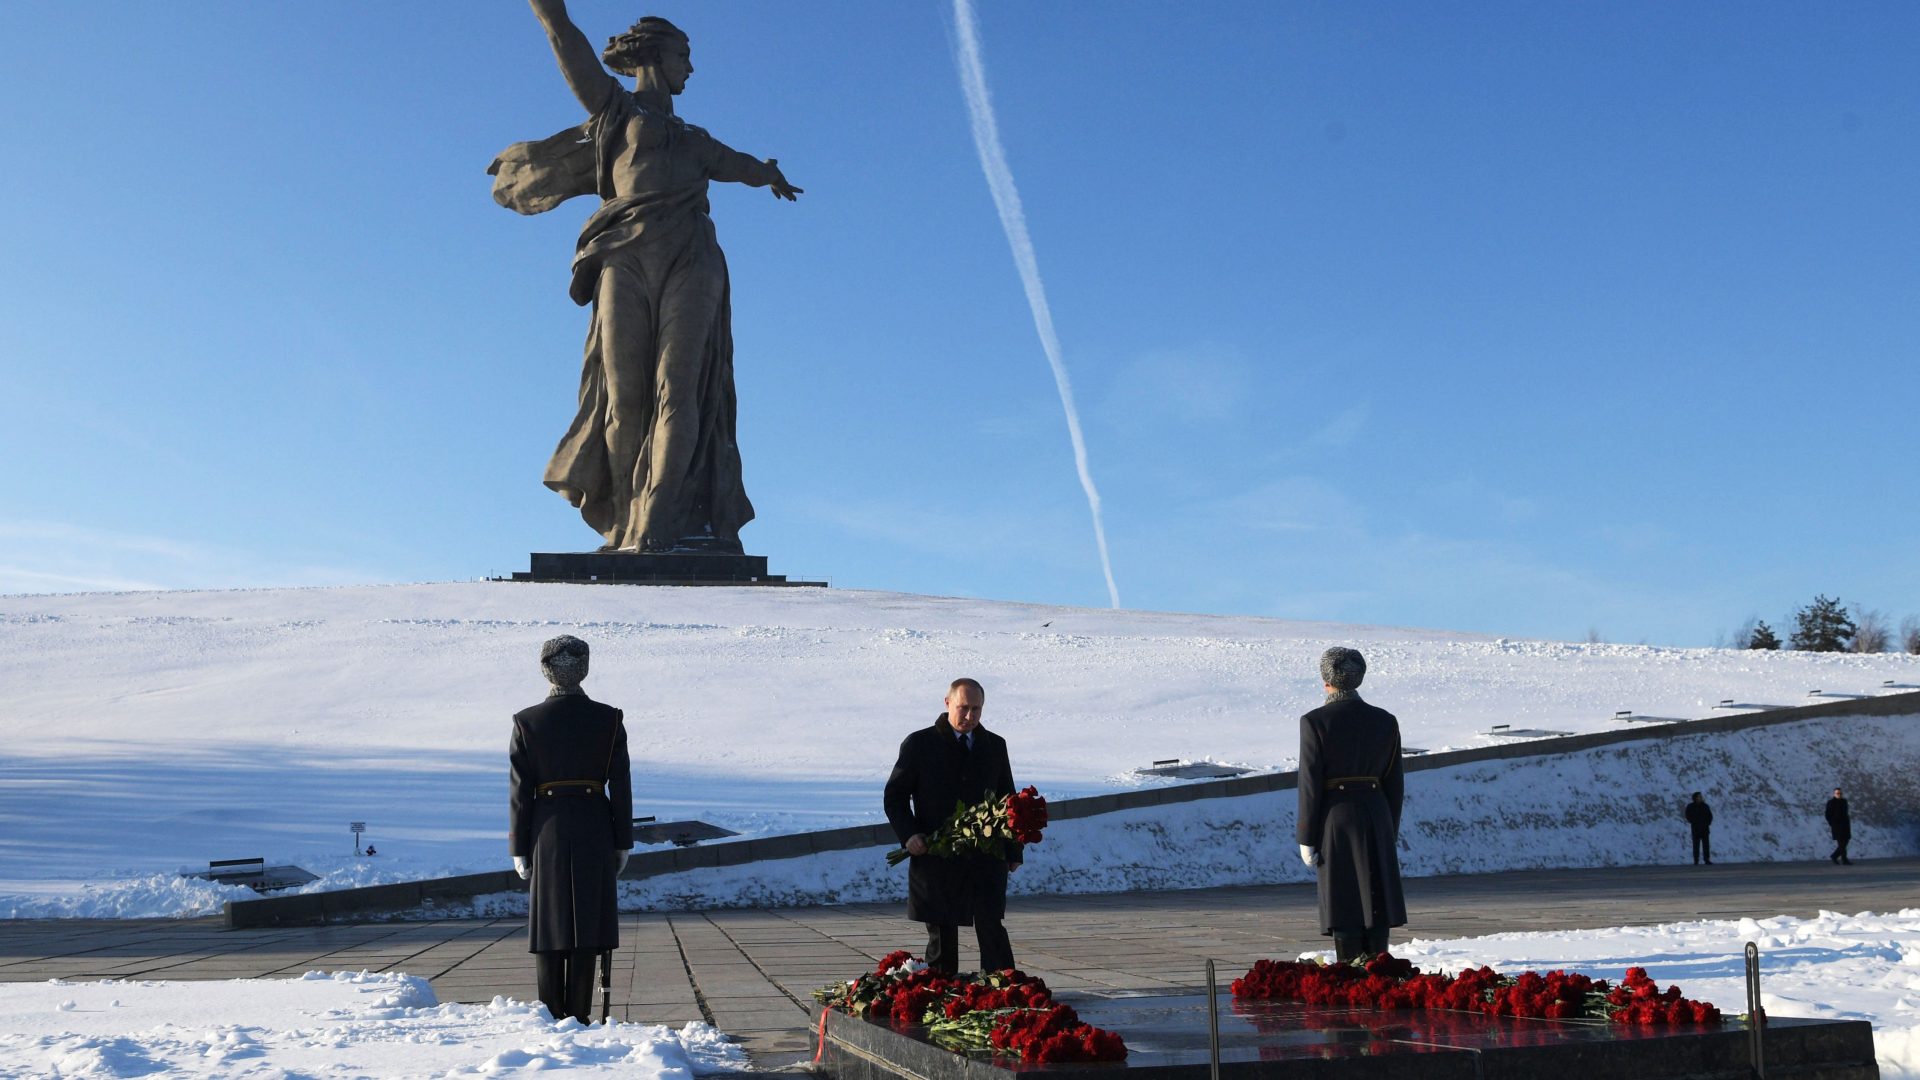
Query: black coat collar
{"points": [[945, 729]]}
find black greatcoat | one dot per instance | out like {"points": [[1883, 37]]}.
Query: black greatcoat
{"points": [[570, 839], [1838, 820], [934, 774], [1700, 817], [1355, 825]]}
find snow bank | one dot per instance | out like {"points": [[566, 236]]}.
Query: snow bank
{"points": [[344, 1024], [1832, 967], [140, 896]]}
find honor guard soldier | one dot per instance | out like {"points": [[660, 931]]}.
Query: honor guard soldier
{"points": [[570, 827], [1349, 825]]}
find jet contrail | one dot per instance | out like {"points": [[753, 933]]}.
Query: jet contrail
{"points": [[1006, 197]]}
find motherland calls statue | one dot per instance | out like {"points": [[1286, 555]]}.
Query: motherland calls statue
{"points": [[650, 459]]}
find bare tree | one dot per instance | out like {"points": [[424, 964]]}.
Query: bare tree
{"points": [[1910, 634], [1743, 634], [1872, 633]]}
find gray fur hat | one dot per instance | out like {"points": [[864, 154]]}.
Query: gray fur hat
{"points": [[1342, 668], [565, 656]]}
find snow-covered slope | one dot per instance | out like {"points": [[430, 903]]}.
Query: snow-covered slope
{"points": [[146, 732]]}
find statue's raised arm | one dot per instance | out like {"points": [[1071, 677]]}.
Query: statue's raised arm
{"points": [[578, 62]]}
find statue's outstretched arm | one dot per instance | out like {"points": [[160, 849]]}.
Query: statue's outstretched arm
{"points": [[733, 167], [578, 62]]}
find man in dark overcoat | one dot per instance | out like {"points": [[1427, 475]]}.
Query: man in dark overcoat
{"points": [[1349, 823], [955, 761], [570, 827], [1700, 820], [1840, 822]]}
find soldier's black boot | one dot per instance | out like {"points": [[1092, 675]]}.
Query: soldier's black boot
{"points": [[550, 976], [582, 965]]}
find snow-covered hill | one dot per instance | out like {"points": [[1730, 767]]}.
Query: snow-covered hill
{"points": [[146, 732]]}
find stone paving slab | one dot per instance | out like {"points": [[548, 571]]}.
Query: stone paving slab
{"points": [[752, 972]]}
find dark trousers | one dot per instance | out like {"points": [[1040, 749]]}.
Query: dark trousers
{"points": [[566, 982], [1840, 849], [943, 946], [1359, 944], [1702, 847]]}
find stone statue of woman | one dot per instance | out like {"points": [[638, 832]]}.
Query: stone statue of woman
{"points": [[651, 459]]}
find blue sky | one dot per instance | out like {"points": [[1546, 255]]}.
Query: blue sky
{"points": [[1527, 319]]}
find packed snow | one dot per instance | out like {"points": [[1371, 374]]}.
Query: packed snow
{"points": [[1831, 967], [150, 732], [343, 1024]]}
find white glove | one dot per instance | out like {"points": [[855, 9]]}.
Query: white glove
{"points": [[520, 866], [620, 861], [1310, 856]]}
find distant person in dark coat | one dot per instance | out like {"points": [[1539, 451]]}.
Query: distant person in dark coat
{"points": [[952, 762], [1349, 823], [570, 827], [1700, 816], [1841, 823]]}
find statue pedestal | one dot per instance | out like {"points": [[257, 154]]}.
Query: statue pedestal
{"points": [[667, 568]]}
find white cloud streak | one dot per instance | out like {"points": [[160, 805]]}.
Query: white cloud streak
{"points": [[59, 557], [1013, 219]]}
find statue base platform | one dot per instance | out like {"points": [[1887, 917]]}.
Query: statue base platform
{"points": [[664, 568]]}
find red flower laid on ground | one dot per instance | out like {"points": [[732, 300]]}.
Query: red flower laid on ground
{"points": [[1005, 1011], [1384, 982]]}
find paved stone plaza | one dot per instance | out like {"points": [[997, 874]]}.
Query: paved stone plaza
{"points": [[751, 972]]}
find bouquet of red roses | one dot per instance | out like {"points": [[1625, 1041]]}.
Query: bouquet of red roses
{"points": [[986, 827]]}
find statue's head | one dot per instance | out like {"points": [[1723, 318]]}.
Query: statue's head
{"points": [[563, 660], [653, 42]]}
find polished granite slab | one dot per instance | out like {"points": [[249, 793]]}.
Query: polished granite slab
{"points": [[1166, 1036]]}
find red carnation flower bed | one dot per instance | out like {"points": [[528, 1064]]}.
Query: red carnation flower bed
{"points": [[1006, 1012], [1386, 982]]}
